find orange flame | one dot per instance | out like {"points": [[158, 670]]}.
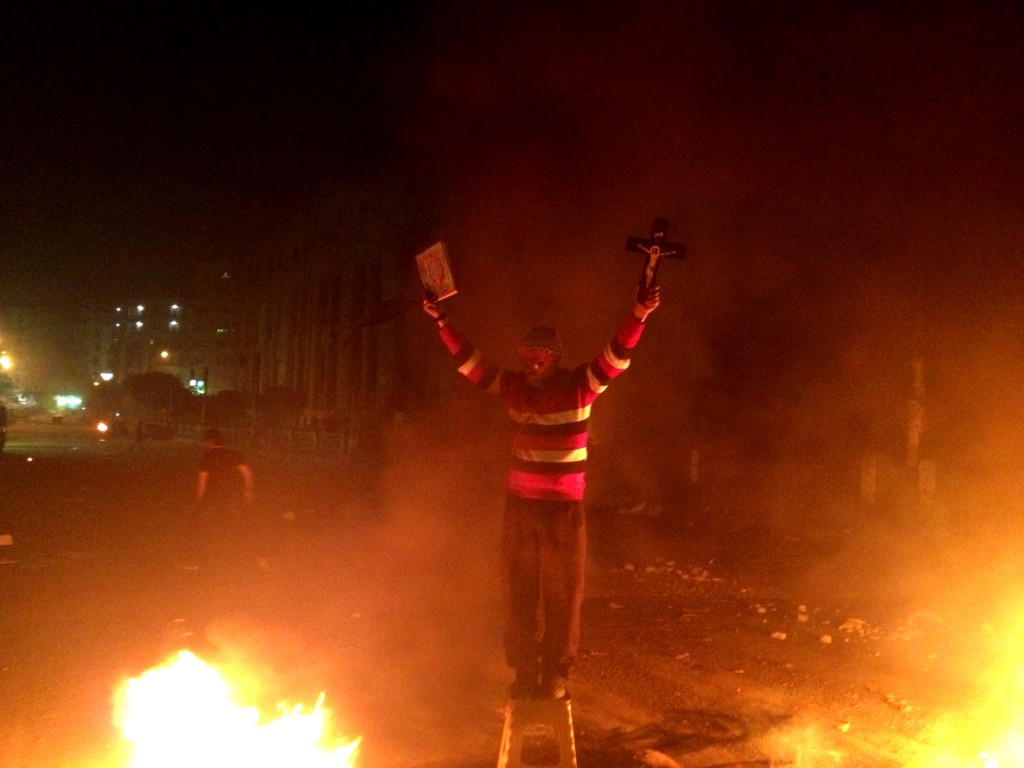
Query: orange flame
{"points": [[182, 714], [989, 733]]}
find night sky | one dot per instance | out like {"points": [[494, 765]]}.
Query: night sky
{"points": [[139, 138], [847, 176]]}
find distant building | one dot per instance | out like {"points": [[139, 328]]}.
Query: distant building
{"points": [[325, 322], [144, 336], [194, 342]]}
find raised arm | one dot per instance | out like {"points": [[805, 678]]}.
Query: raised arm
{"points": [[468, 360], [614, 358]]}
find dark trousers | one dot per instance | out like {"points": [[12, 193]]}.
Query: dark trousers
{"points": [[544, 552]]}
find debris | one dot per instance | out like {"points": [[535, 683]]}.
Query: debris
{"points": [[900, 705], [779, 635], [826, 639], [698, 574], [859, 627], [919, 623]]}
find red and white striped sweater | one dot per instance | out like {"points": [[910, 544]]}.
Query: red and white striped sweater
{"points": [[549, 422]]}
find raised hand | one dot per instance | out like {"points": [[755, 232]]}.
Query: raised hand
{"points": [[648, 297], [433, 307]]}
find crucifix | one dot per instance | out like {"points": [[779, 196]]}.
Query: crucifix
{"points": [[655, 248]]}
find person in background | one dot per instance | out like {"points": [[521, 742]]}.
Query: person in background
{"points": [[224, 531], [544, 536], [224, 484]]}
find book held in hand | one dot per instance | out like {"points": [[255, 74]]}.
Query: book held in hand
{"points": [[436, 271]]}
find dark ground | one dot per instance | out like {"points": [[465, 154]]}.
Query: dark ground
{"points": [[709, 639]]}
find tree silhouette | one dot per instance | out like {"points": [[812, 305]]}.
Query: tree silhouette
{"points": [[7, 390], [156, 390]]}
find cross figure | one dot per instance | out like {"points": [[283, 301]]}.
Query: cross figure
{"points": [[655, 248]]}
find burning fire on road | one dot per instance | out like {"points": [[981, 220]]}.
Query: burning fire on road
{"points": [[183, 713], [989, 733]]}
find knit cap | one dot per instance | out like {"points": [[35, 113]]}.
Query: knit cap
{"points": [[543, 337]]}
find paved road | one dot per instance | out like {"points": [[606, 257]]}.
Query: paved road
{"points": [[703, 644], [391, 614]]}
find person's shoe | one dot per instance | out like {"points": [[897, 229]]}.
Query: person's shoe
{"points": [[553, 687], [524, 686]]}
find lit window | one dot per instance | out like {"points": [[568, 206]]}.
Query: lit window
{"points": [[138, 324]]}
